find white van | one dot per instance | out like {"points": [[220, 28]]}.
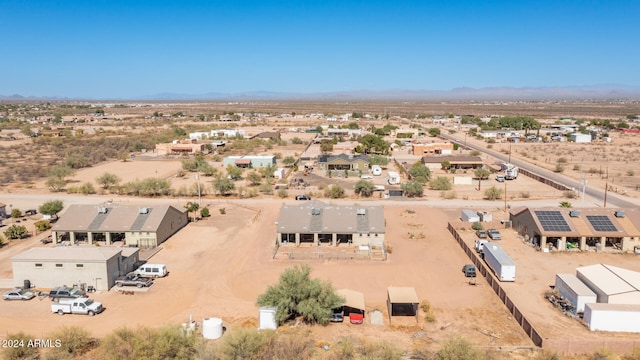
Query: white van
{"points": [[152, 270], [376, 170]]}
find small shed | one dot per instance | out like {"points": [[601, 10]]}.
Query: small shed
{"points": [[574, 290], [267, 320], [354, 302], [469, 216], [402, 301]]}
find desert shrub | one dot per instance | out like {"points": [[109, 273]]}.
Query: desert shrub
{"points": [[448, 195], [630, 172], [429, 316], [296, 294], [380, 350], [266, 189], [576, 167], [493, 193], [107, 180], [491, 141], [547, 355], [525, 195], [20, 350], [87, 188], [223, 185], [562, 160], [296, 140], [477, 226], [364, 188], [283, 193], [559, 168], [254, 178], [322, 186], [570, 194], [74, 342], [289, 347], [460, 349], [474, 153], [42, 225], [76, 161], [223, 211], [144, 343], [420, 173], [15, 232], [16, 213], [604, 354], [440, 183], [412, 189], [244, 344], [334, 191], [147, 187]]}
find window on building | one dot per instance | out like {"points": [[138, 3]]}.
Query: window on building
{"points": [[59, 266], [38, 266], [79, 266]]}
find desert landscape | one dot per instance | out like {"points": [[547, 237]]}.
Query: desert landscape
{"points": [[220, 264]]}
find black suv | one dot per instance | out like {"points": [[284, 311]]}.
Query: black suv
{"points": [[63, 292]]}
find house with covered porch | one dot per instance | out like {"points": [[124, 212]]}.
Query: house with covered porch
{"points": [[562, 229], [317, 223]]}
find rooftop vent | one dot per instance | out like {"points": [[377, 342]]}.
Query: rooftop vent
{"points": [[574, 213], [619, 214], [143, 210], [315, 211], [361, 211], [102, 210]]}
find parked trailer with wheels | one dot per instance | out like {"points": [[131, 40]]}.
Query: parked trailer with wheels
{"points": [[499, 262]]}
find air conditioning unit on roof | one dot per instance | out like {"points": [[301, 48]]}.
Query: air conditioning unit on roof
{"points": [[619, 214]]}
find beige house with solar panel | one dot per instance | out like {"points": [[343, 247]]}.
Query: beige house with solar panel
{"points": [[315, 222], [561, 229], [130, 225]]}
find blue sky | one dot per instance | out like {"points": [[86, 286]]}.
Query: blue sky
{"points": [[120, 49]]}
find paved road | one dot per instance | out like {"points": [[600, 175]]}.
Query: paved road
{"points": [[612, 199]]}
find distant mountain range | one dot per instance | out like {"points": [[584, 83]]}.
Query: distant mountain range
{"points": [[595, 92]]}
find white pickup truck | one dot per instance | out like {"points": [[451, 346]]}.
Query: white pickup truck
{"points": [[84, 306]]}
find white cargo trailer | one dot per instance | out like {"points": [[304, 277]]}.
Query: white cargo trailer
{"points": [[469, 216], [612, 317], [499, 262], [574, 290]]}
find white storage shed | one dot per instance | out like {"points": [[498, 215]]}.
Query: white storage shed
{"points": [[611, 284], [612, 317], [469, 216], [574, 290]]}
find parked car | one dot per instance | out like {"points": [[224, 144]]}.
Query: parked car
{"points": [[494, 234], [337, 316], [18, 294], [355, 318], [482, 234], [47, 240], [366, 176], [500, 178], [64, 292], [30, 212], [469, 270], [82, 305], [134, 280], [303, 197]]}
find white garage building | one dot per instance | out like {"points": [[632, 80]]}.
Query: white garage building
{"points": [[97, 266], [612, 285]]}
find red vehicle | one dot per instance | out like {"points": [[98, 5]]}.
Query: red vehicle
{"points": [[356, 318]]}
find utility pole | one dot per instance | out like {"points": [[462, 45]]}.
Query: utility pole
{"points": [[583, 177], [505, 196], [509, 157], [198, 179], [606, 188]]}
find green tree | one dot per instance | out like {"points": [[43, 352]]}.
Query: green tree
{"points": [[204, 212], [254, 178], [481, 173], [51, 208], [288, 161], [493, 193], [412, 188], [223, 185], [326, 146], [107, 180], [234, 172], [378, 160], [76, 161], [87, 188], [334, 191], [440, 183], [268, 171], [15, 232], [374, 143], [296, 294], [62, 172], [296, 141], [434, 132], [364, 188], [192, 207], [445, 165], [55, 184], [420, 173]]}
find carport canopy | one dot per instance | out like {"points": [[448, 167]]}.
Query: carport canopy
{"points": [[402, 301], [353, 299]]}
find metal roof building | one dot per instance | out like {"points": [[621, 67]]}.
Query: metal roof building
{"points": [[319, 223], [611, 284], [561, 229], [133, 225], [402, 301], [48, 267]]}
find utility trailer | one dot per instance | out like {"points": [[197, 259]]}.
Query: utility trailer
{"points": [[499, 262]]}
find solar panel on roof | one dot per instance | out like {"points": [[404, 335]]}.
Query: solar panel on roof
{"points": [[552, 220], [601, 223]]}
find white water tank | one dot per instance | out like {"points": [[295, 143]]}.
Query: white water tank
{"points": [[268, 318], [212, 328]]}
